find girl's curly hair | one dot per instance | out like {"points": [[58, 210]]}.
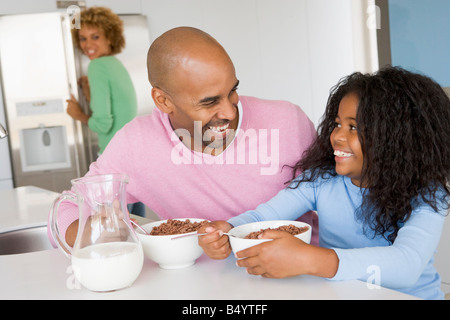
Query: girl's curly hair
{"points": [[102, 18], [403, 122]]}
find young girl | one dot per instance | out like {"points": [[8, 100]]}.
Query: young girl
{"points": [[377, 175]]}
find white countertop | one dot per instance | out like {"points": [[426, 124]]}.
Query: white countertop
{"points": [[24, 207], [47, 274]]}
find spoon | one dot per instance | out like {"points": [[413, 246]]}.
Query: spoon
{"points": [[197, 234], [139, 227]]}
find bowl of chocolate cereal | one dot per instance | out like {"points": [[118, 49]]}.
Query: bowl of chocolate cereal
{"points": [[171, 254], [246, 235]]}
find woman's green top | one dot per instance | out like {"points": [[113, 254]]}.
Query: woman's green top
{"points": [[113, 98]]}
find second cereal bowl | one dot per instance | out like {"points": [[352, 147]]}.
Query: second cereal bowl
{"points": [[238, 241], [168, 253]]}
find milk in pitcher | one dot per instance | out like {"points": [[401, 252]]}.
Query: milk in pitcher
{"points": [[108, 266]]}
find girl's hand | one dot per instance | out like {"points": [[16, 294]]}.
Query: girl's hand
{"points": [[215, 244], [287, 256]]}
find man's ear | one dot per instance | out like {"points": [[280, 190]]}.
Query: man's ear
{"points": [[162, 100]]}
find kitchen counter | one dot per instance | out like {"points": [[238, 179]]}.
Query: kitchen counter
{"points": [[47, 274], [28, 207], [24, 207]]}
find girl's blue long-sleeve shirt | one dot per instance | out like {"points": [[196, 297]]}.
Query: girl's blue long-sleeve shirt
{"points": [[406, 265]]}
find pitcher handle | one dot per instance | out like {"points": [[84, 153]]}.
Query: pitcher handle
{"points": [[60, 242]]}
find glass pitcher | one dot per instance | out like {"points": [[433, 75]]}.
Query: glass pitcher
{"points": [[107, 254]]}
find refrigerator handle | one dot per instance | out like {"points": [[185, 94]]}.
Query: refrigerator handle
{"points": [[3, 132]]}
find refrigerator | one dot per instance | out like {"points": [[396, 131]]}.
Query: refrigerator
{"points": [[40, 69]]}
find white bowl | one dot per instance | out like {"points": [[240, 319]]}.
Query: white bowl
{"points": [[238, 242], [168, 253]]}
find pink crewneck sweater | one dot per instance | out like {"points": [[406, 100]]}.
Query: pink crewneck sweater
{"points": [[176, 182]]}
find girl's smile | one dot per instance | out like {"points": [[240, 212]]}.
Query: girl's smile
{"points": [[341, 154], [345, 141]]}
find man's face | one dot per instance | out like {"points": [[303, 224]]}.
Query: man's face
{"points": [[204, 97]]}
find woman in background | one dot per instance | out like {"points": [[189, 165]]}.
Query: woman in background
{"points": [[108, 86]]}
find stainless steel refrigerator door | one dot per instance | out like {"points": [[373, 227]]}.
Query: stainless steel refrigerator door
{"points": [[38, 75]]}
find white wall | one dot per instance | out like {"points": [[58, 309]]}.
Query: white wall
{"points": [[293, 50], [265, 39]]}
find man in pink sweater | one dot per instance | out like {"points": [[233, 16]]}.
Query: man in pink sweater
{"points": [[204, 152]]}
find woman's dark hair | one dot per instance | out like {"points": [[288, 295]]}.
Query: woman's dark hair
{"points": [[403, 122]]}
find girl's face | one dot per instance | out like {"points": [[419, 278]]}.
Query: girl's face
{"points": [[93, 42], [345, 142]]}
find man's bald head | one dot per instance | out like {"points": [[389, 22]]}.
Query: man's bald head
{"points": [[174, 48]]}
